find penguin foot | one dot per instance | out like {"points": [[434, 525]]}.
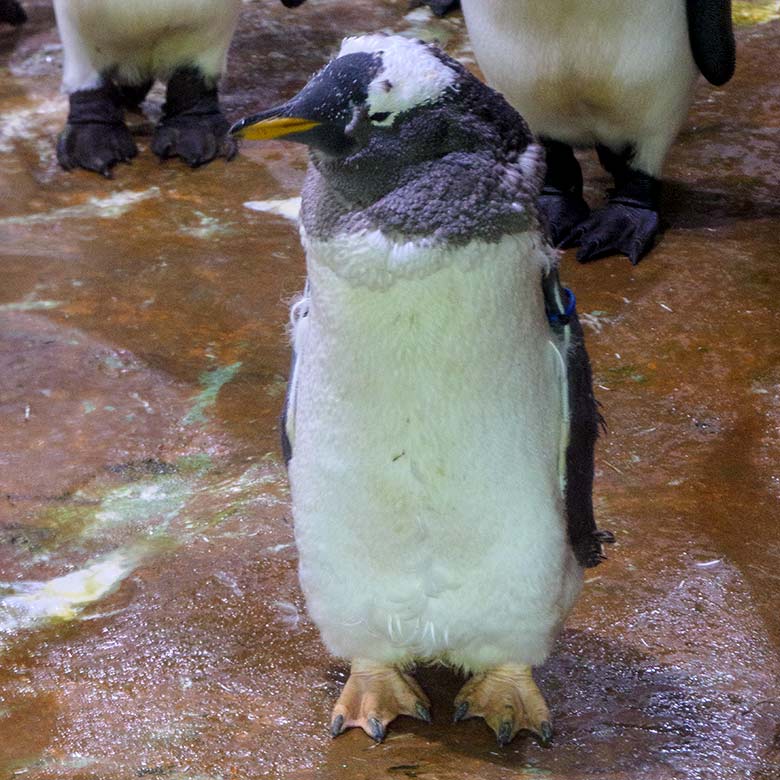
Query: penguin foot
{"points": [[375, 694], [561, 214], [196, 140], [618, 228], [95, 137], [95, 147], [193, 126], [508, 700]]}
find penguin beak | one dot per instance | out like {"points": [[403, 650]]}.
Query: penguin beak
{"points": [[326, 114], [271, 124]]}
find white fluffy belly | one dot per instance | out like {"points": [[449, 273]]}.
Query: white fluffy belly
{"points": [[142, 38], [587, 71], [424, 475]]}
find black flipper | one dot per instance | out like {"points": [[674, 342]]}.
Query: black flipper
{"points": [[286, 443], [11, 12], [711, 33], [585, 538]]}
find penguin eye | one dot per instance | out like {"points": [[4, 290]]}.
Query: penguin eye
{"points": [[379, 116]]}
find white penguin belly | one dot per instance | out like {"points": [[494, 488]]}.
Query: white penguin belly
{"points": [[427, 426], [138, 39], [616, 72]]}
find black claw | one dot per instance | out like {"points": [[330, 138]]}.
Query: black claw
{"points": [[562, 215], [337, 726], [377, 729], [546, 733], [618, 228], [505, 733], [423, 713], [461, 712]]}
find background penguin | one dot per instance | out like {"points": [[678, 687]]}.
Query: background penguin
{"points": [[114, 49], [617, 74], [440, 420], [11, 12]]}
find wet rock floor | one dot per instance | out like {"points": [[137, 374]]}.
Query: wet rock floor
{"points": [[150, 618]]}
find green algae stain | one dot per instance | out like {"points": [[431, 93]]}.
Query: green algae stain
{"points": [[212, 382], [746, 13]]}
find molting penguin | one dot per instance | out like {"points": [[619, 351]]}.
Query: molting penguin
{"points": [[11, 12], [440, 421], [114, 49], [617, 74]]}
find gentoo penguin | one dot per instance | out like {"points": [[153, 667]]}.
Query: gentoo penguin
{"points": [[440, 420], [617, 74], [11, 12], [114, 49]]}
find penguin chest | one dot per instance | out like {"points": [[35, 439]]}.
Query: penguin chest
{"points": [[584, 70], [425, 461], [152, 37]]}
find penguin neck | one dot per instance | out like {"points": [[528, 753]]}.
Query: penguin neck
{"points": [[370, 259], [433, 205]]}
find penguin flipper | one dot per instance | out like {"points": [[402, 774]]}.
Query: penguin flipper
{"points": [[298, 317], [286, 416], [584, 420], [711, 33]]}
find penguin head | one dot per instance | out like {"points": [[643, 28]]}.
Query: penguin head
{"points": [[388, 102]]}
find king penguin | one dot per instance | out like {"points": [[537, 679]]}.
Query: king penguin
{"points": [[11, 12], [440, 420], [615, 74], [115, 49]]}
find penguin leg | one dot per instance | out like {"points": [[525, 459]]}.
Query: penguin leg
{"points": [[12, 13], [193, 126], [629, 223], [132, 95], [95, 136], [439, 7], [508, 699], [376, 694], [561, 205]]}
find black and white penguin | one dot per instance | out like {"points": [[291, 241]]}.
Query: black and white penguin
{"points": [[440, 421], [11, 12], [617, 74], [115, 49]]}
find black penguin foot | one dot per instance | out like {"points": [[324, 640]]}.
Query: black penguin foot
{"points": [[197, 142], [95, 147], [193, 126], [12, 13], [561, 214], [95, 137], [618, 228]]}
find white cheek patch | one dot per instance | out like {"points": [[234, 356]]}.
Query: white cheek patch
{"points": [[411, 74]]}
